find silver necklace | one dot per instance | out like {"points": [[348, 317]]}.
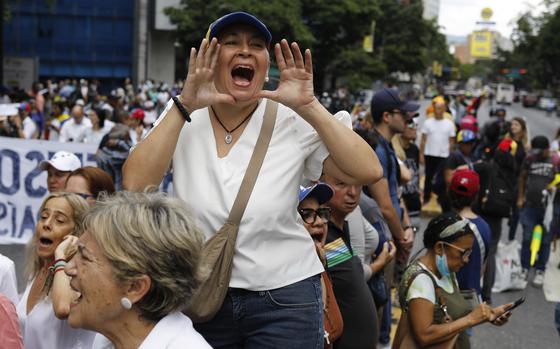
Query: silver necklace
{"points": [[229, 137]]}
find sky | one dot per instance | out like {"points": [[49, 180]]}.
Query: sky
{"points": [[458, 17]]}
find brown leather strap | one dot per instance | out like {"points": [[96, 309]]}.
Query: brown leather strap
{"points": [[255, 163]]}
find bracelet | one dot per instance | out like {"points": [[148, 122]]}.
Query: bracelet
{"points": [[181, 108], [59, 260], [58, 269]]}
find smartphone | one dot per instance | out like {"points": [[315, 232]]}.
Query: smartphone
{"points": [[517, 303]]}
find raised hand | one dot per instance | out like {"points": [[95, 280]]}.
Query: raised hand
{"points": [[199, 90], [67, 248], [296, 76]]}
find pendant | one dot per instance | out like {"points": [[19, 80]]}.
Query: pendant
{"points": [[228, 138]]}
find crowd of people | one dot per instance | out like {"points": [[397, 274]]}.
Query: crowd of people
{"points": [[313, 242]]}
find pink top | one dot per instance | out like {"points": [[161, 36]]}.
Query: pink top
{"points": [[9, 325]]}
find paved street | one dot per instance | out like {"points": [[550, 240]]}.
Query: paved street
{"points": [[532, 324]]}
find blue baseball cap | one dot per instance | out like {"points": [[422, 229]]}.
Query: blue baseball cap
{"points": [[465, 136], [320, 191], [388, 99], [238, 17]]}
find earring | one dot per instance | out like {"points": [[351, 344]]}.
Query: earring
{"points": [[126, 303], [266, 79]]}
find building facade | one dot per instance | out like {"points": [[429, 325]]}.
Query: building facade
{"points": [[93, 39]]}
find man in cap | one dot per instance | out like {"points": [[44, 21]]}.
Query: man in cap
{"points": [[460, 157], [390, 116], [538, 170], [463, 189], [58, 168]]}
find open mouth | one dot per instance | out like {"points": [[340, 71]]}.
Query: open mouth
{"points": [[242, 75], [45, 242]]}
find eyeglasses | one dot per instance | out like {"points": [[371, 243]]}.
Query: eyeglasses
{"points": [[309, 215], [465, 253]]}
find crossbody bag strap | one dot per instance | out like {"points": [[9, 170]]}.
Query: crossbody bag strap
{"points": [[255, 163]]}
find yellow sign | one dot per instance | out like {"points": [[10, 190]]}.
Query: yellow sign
{"points": [[481, 44], [486, 13]]}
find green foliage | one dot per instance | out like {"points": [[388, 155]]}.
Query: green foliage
{"points": [[334, 31], [536, 48]]}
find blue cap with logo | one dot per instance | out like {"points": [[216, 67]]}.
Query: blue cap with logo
{"points": [[238, 17], [320, 191], [465, 136]]}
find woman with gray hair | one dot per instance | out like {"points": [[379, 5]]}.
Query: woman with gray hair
{"points": [[135, 271]]}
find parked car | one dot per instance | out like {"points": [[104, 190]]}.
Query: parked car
{"points": [[530, 100], [547, 103]]}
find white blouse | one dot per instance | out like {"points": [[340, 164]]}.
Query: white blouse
{"points": [[174, 331], [272, 249], [41, 329]]}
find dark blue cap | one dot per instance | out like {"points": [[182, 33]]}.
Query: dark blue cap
{"points": [[388, 99], [238, 17], [320, 191]]}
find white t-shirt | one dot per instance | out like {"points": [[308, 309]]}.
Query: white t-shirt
{"points": [[174, 331], [272, 249], [8, 281], [438, 133], [29, 128], [423, 287], [72, 132], [41, 329]]}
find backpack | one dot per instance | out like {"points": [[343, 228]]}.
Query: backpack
{"points": [[498, 196]]}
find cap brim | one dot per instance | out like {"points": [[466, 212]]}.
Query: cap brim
{"points": [[44, 165], [239, 17]]}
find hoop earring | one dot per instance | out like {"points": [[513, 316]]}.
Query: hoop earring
{"points": [[126, 303]]}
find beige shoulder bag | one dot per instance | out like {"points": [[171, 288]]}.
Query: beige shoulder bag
{"points": [[217, 253]]}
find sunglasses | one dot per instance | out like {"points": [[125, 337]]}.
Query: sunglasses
{"points": [[465, 253], [310, 215]]}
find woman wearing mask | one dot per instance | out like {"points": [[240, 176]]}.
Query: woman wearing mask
{"points": [[434, 310]]}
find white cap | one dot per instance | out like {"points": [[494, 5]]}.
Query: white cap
{"points": [[62, 161]]}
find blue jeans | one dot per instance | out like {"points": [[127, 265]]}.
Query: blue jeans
{"points": [[287, 317], [386, 321], [530, 217]]}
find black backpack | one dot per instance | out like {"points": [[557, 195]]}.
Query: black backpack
{"points": [[498, 197]]}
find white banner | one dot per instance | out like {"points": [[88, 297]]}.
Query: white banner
{"points": [[23, 186]]}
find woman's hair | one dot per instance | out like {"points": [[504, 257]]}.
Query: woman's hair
{"points": [[79, 208], [98, 180], [524, 132], [150, 234], [437, 225]]}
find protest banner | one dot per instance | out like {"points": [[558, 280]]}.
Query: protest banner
{"points": [[23, 186]]}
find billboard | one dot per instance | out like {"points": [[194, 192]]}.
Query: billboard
{"points": [[481, 44]]}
